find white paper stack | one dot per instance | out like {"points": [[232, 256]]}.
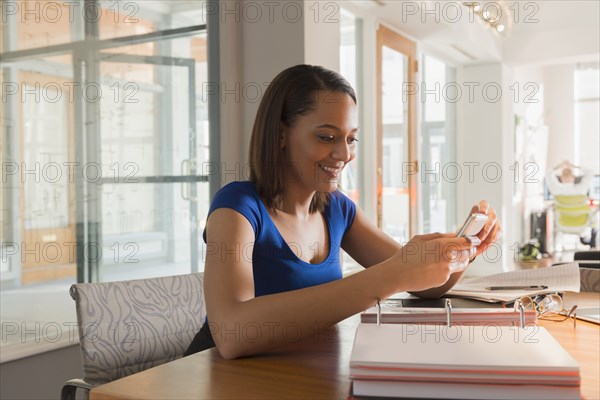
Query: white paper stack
{"points": [[462, 362]]}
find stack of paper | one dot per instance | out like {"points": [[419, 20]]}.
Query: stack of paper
{"points": [[462, 362], [394, 314], [559, 278]]}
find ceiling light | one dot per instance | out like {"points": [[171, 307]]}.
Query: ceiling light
{"points": [[494, 21]]}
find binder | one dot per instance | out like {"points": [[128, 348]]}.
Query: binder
{"points": [[391, 312], [461, 361]]}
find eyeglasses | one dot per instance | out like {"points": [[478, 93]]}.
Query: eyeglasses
{"points": [[549, 307]]}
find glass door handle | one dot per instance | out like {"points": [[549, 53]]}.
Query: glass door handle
{"points": [[185, 186]]}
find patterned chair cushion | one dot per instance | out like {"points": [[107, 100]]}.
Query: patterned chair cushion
{"points": [[127, 327]]}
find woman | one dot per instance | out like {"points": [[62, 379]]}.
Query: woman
{"points": [[273, 242]]}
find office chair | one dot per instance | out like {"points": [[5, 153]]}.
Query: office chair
{"points": [[129, 326], [572, 215]]}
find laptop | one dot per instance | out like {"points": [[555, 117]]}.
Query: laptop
{"points": [[589, 314]]}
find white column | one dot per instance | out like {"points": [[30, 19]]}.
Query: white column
{"points": [[258, 41], [559, 113], [484, 140]]}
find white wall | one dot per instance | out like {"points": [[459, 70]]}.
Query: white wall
{"points": [[485, 143], [524, 75], [544, 32], [559, 112], [529, 106], [253, 52], [230, 69], [267, 49], [321, 35], [549, 46]]}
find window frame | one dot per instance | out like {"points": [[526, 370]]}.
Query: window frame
{"points": [[82, 51]]}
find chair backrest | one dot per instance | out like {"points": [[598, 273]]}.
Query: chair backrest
{"points": [[572, 211], [127, 327], [589, 255], [571, 200]]}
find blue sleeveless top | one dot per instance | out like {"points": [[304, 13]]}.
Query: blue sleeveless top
{"points": [[275, 267]]}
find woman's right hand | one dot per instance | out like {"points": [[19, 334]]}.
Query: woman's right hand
{"points": [[426, 260]]}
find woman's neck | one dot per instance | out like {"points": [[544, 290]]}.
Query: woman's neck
{"points": [[296, 202]]}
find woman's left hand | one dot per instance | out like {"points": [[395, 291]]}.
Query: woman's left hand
{"points": [[492, 229]]}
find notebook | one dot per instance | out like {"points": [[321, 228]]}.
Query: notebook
{"points": [[558, 278], [436, 361]]}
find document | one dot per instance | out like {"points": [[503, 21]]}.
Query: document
{"points": [[555, 279]]}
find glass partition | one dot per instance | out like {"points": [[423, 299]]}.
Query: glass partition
{"points": [[104, 147]]}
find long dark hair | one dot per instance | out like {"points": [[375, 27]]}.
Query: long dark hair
{"points": [[292, 93]]}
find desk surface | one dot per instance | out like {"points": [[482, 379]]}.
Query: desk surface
{"points": [[317, 368]]}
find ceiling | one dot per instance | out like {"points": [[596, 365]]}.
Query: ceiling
{"points": [[559, 15], [530, 26]]}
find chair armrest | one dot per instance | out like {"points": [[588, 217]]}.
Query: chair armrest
{"points": [[70, 388]]}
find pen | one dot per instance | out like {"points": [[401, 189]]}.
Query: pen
{"points": [[517, 287]]}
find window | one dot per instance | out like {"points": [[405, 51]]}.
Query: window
{"points": [[350, 61], [104, 146], [398, 203], [437, 147]]}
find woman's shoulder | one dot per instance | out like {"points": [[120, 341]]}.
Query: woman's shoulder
{"points": [[338, 198], [341, 206], [237, 191], [240, 196]]}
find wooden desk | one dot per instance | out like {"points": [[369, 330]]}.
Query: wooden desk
{"points": [[317, 368]]}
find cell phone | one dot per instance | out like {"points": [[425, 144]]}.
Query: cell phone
{"points": [[472, 226]]}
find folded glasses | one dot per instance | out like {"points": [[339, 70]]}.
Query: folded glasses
{"points": [[549, 307]]}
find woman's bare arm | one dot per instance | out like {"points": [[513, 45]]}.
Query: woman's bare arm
{"points": [[437, 292], [369, 245], [242, 324], [366, 243]]}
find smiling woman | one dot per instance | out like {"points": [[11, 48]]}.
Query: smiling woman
{"points": [[289, 149], [272, 272]]}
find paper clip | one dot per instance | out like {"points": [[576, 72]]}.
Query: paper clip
{"points": [[378, 313], [448, 313]]}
